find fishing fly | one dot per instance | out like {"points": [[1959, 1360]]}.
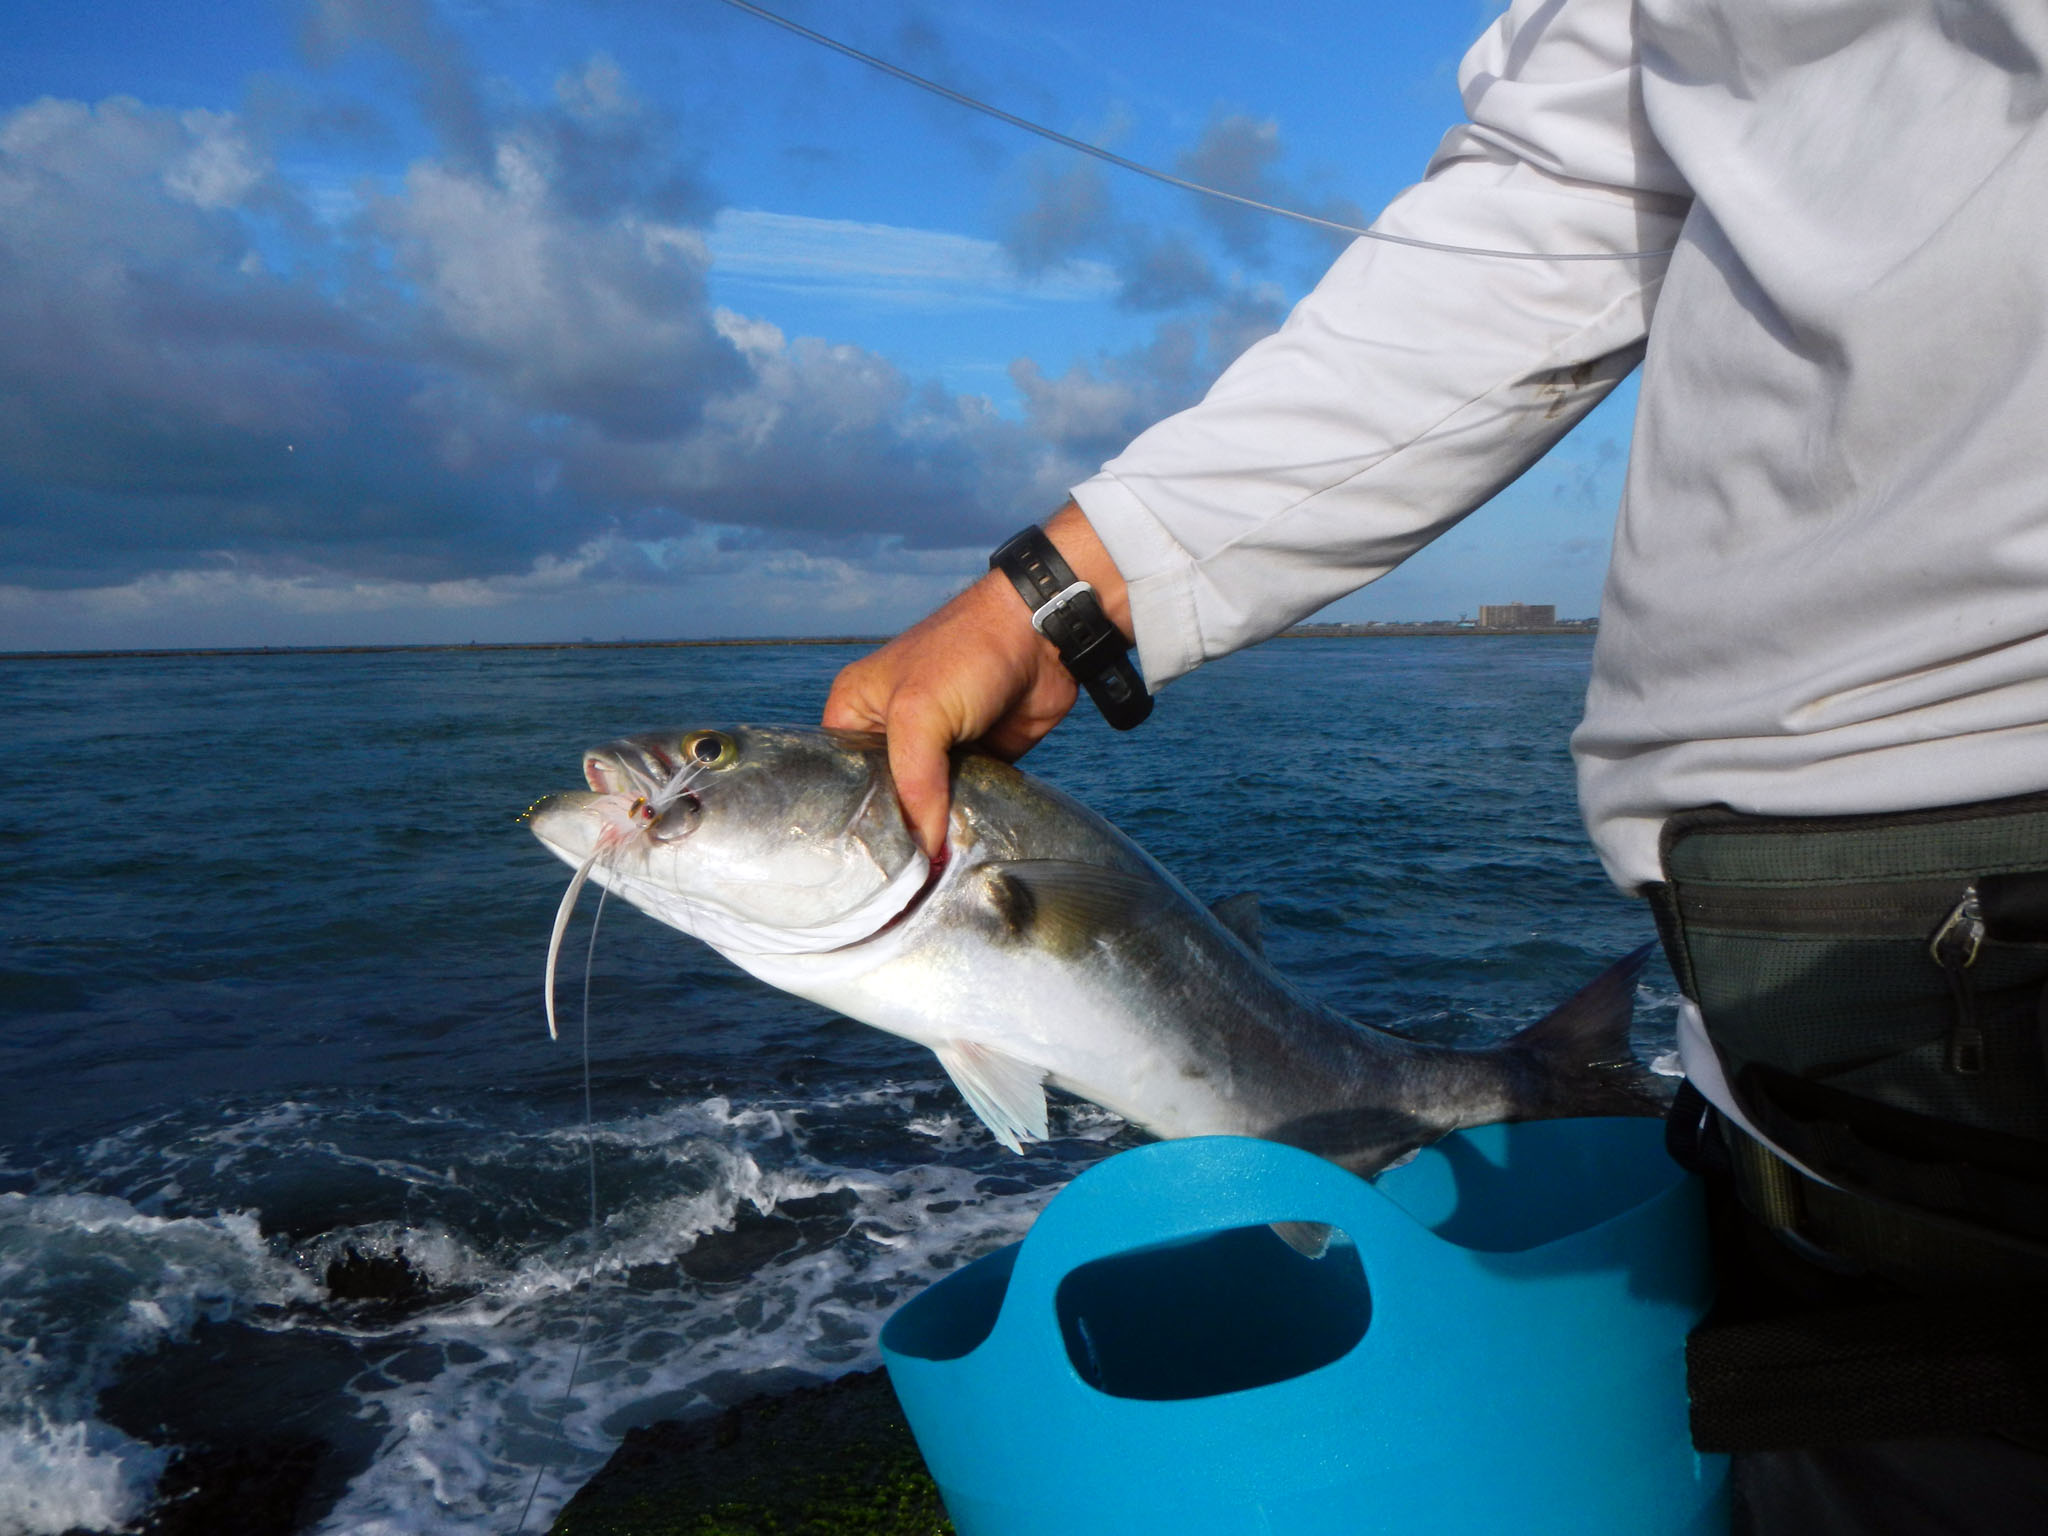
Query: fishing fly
{"points": [[624, 817]]}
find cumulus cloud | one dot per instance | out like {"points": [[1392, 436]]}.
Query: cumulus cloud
{"points": [[1088, 413], [444, 86], [603, 320], [1069, 213], [1242, 154], [481, 367], [498, 376], [829, 441], [1068, 218], [1068, 210]]}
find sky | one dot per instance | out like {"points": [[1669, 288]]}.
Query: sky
{"points": [[423, 321]]}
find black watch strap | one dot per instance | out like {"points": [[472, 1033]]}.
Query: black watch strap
{"points": [[1067, 612]]}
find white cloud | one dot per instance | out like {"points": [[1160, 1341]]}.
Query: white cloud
{"points": [[711, 581], [495, 388], [889, 264]]}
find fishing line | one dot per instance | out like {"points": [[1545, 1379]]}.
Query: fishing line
{"points": [[975, 104], [590, 1271]]}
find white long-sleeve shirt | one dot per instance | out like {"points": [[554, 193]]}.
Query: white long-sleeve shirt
{"points": [[1829, 589]]}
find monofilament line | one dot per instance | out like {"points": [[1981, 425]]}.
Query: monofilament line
{"points": [[1082, 146], [590, 1269]]}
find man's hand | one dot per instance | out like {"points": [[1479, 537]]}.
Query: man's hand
{"points": [[974, 671]]}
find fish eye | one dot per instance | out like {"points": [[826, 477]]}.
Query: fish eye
{"points": [[710, 749]]}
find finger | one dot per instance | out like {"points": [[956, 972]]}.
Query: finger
{"points": [[849, 706], [920, 736]]}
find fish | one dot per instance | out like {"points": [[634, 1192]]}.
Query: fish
{"points": [[1042, 949]]}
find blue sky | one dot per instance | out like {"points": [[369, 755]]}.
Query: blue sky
{"points": [[421, 320]]}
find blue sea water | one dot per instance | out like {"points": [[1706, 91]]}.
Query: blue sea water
{"points": [[270, 1024]]}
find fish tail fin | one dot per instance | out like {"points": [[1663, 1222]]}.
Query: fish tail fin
{"points": [[1577, 1059]]}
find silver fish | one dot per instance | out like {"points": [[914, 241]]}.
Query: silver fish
{"points": [[1044, 949]]}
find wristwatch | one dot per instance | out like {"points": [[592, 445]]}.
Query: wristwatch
{"points": [[1067, 612]]}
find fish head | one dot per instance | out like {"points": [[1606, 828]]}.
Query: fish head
{"points": [[756, 839]]}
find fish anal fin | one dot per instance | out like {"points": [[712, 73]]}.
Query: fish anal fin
{"points": [[1240, 914], [1310, 1239], [1008, 1094]]}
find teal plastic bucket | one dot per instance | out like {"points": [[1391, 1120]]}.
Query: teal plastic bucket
{"points": [[1494, 1343]]}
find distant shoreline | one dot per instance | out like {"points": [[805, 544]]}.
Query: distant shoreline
{"points": [[1429, 628], [402, 650], [1425, 629]]}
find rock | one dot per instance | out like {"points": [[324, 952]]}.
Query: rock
{"points": [[390, 1278], [830, 1460], [262, 1441]]}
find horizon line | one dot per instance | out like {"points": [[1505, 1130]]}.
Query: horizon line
{"points": [[1326, 630]]}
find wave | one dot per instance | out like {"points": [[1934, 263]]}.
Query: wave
{"points": [[86, 1282], [739, 1245]]}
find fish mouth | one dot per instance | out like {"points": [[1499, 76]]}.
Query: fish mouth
{"points": [[636, 787], [628, 768], [575, 823]]}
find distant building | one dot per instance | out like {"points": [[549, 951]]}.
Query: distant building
{"points": [[1517, 615]]}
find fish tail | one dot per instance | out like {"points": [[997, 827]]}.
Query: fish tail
{"points": [[1578, 1060]]}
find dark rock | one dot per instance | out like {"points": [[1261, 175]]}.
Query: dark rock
{"points": [[257, 1488], [381, 1290], [830, 1460], [758, 1238], [825, 1208], [263, 1436], [755, 1240], [386, 1277]]}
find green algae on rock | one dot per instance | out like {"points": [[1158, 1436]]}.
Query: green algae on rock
{"points": [[830, 1460]]}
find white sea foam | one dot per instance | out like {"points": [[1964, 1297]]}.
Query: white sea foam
{"points": [[85, 1281], [77, 1475], [479, 1403], [466, 1443]]}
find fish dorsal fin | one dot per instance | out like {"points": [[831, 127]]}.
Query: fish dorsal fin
{"points": [[1066, 906], [1240, 914], [1008, 1094]]}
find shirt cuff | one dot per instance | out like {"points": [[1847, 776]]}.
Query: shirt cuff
{"points": [[1158, 577]]}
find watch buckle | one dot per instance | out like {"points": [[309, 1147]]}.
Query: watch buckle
{"points": [[1058, 601]]}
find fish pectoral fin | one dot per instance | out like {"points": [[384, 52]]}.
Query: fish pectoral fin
{"points": [[1065, 905], [1007, 1093], [1240, 914]]}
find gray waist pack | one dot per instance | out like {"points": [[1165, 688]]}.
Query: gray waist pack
{"points": [[1874, 989]]}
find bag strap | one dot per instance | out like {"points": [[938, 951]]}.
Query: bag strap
{"points": [[1841, 1376]]}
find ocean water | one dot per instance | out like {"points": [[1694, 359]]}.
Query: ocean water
{"points": [[289, 1167]]}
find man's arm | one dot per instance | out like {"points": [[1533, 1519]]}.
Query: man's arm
{"points": [[1406, 390], [974, 671], [1411, 385]]}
